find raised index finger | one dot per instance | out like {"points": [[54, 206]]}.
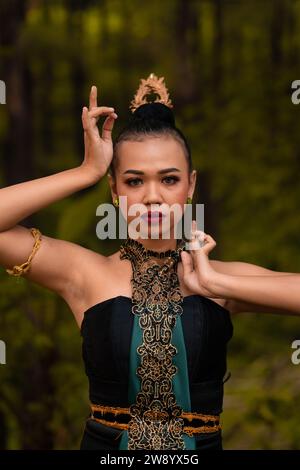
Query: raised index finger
{"points": [[93, 97]]}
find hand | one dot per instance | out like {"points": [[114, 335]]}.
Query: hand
{"points": [[98, 150], [198, 275]]}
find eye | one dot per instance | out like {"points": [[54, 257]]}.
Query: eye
{"points": [[134, 182], [171, 180]]}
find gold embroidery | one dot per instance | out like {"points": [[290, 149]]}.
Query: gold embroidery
{"points": [[205, 418], [113, 424], [116, 410], [189, 430], [155, 417], [119, 410], [204, 429]]}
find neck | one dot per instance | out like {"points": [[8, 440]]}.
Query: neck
{"points": [[159, 245]]}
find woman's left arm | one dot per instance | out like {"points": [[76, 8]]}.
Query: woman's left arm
{"points": [[259, 293], [248, 291]]}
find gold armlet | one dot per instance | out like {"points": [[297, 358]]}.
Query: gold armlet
{"points": [[23, 268]]}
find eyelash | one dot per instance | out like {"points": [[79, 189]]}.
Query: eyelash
{"points": [[174, 178]]}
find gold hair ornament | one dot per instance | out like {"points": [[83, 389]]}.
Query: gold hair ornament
{"points": [[151, 85]]}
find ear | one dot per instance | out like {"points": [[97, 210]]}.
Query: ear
{"points": [[193, 177], [113, 186]]}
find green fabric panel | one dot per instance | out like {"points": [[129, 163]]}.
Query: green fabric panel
{"points": [[181, 386], [180, 381]]}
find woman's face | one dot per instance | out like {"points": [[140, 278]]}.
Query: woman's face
{"points": [[153, 171]]}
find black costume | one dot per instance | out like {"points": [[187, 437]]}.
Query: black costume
{"points": [[121, 370]]}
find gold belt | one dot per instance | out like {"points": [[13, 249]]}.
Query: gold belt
{"points": [[119, 418]]}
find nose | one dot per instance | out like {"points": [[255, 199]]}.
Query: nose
{"points": [[152, 194]]}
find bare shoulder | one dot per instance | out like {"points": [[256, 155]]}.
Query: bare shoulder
{"points": [[88, 272], [85, 264], [76, 256], [55, 264]]}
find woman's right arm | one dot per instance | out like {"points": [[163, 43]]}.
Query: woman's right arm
{"points": [[55, 264], [19, 201]]}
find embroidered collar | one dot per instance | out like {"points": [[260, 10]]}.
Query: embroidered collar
{"points": [[136, 248], [156, 302]]}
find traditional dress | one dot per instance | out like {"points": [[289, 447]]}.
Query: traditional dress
{"points": [[156, 363]]}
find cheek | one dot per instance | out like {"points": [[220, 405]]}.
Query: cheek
{"points": [[179, 194], [124, 190], [132, 197]]}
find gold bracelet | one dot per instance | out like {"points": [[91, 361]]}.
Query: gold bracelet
{"points": [[23, 268]]}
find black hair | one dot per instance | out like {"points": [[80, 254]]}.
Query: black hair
{"points": [[151, 119]]}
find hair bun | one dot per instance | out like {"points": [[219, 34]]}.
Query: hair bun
{"points": [[155, 111]]}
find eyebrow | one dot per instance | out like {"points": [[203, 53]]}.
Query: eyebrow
{"points": [[160, 172]]}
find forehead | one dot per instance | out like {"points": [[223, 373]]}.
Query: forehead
{"points": [[151, 154]]}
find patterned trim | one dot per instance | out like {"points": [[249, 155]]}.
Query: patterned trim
{"points": [[156, 421], [116, 412]]}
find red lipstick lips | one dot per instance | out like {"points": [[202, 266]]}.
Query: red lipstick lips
{"points": [[153, 216]]}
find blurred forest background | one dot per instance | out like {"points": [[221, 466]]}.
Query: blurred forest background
{"points": [[228, 66]]}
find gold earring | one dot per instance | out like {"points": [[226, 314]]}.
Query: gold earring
{"points": [[116, 201], [189, 200]]}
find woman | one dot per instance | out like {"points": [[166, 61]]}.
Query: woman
{"points": [[154, 316]]}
